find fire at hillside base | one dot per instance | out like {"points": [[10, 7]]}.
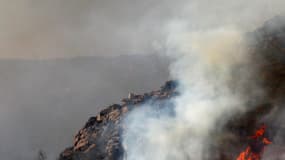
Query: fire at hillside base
{"points": [[256, 145]]}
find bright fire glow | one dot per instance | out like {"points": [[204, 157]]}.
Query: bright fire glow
{"points": [[256, 145]]}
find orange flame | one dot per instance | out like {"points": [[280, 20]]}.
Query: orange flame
{"points": [[256, 146]]}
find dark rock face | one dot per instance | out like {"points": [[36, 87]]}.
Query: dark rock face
{"points": [[100, 138]]}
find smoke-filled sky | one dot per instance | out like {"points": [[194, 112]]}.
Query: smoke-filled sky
{"points": [[60, 28], [45, 100]]}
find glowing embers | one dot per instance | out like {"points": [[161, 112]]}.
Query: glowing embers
{"points": [[256, 145]]}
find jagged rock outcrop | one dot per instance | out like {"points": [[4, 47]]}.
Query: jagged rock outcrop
{"points": [[100, 138]]}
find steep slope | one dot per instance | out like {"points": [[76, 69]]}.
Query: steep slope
{"points": [[100, 138]]}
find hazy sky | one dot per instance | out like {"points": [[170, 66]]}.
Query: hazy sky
{"points": [[56, 28], [44, 103], [60, 28]]}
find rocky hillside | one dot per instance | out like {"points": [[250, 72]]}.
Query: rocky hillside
{"points": [[100, 138]]}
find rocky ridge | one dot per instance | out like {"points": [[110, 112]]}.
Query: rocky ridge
{"points": [[100, 138]]}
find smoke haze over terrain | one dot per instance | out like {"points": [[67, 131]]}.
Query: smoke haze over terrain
{"points": [[46, 94], [60, 28], [44, 103]]}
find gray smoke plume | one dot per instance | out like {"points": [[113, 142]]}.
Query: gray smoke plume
{"points": [[214, 70], [204, 70]]}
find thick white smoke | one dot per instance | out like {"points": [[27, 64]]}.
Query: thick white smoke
{"points": [[206, 65]]}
